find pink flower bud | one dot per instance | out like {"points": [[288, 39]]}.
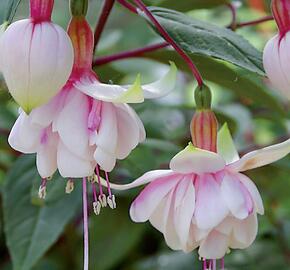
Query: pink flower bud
{"points": [[203, 130]]}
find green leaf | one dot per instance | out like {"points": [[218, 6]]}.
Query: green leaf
{"points": [[188, 4], [8, 9], [221, 74], [198, 37], [32, 227]]}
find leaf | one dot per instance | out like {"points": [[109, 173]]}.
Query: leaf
{"points": [[188, 4], [8, 9], [223, 75], [113, 237], [198, 37], [32, 228]]}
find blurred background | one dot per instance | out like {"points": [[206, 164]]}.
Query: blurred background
{"points": [[256, 115]]}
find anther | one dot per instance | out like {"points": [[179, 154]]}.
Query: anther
{"points": [[42, 189], [103, 200], [69, 186], [112, 202], [97, 207], [91, 179]]}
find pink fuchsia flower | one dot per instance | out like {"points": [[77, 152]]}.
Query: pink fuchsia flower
{"points": [[36, 57], [204, 200], [88, 125], [276, 53]]}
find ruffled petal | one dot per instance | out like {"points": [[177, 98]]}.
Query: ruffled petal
{"points": [[111, 92], [128, 131], [261, 157], [70, 165], [184, 209], [235, 197], [252, 189], [195, 160], [72, 124], [46, 159], [214, 246], [163, 86], [210, 207], [225, 145], [24, 136], [148, 200]]}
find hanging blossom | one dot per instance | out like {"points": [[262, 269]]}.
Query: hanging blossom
{"points": [[88, 125], [204, 201], [277, 51], [36, 57]]}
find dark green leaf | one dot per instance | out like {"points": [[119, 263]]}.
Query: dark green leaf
{"points": [[197, 37], [188, 4], [8, 9], [32, 228]]}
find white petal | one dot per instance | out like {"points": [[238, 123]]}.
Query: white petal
{"points": [[195, 160], [128, 131], [70, 165], [24, 136], [149, 199], [244, 232], [184, 210], [225, 145], [111, 92], [210, 207], [214, 246], [163, 86], [106, 160], [143, 180], [251, 187], [261, 157], [273, 68], [46, 159], [72, 124]]}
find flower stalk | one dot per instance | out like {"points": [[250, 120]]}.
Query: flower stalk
{"points": [[41, 11]]}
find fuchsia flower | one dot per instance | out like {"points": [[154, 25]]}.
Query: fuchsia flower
{"points": [[36, 57], [204, 200], [277, 51], [88, 124]]}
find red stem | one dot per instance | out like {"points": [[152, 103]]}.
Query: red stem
{"points": [[106, 10], [233, 10], [128, 6], [254, 22], [166, 36], [128, 54]]}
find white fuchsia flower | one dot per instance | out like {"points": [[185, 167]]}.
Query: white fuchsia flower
{"points": [[204, 200], [36, 57], [277, 51], [88, 125]]}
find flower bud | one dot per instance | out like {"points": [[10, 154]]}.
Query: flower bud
{"points": [[203, 128], [36, 57], [202, 96], [277, 51], [79, 7]]}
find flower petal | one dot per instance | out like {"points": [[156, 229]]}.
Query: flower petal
{"points": [[210, 207], [195, 160], [261, 157], [24, 136], [144, 179], [148, 200], [236, 200], [163, 86], [111, 92], [184, 209], [225, 145], [214, 246], [251, 187], [70, 165], [46, 159]]}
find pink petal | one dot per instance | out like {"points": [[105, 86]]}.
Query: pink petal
{"points": [[210, 207]]}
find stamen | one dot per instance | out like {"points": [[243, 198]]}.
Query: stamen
{"points": [[112, 201], [99, 180], [210, 265], [222, 263], [97, 207], [86, 227], [108, 184], [204, 264], [213, 264], [94, 192], [69, 186], [42, 189], [103, 200]]}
